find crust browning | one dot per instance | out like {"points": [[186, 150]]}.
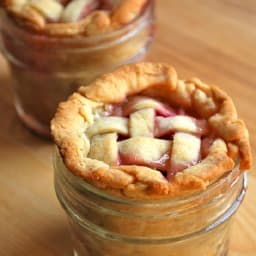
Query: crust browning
{"points": [[130, 80], [155, 80], [28, 17], [127, 11]]}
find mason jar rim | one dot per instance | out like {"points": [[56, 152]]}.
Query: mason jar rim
{"points": [[229, 179]]}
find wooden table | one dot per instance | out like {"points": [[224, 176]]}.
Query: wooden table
{"points": [[212, 39]]}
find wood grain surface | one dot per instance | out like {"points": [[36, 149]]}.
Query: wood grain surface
{"points": [[212, 39]]}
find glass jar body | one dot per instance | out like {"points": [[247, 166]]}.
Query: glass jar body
{"points": [[45, 70], [103, 224]]}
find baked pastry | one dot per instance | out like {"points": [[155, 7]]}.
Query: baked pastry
{"points": [[73, 17], [142, 132]]}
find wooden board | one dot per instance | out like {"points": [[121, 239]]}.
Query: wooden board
{"points": [[214, 40]]}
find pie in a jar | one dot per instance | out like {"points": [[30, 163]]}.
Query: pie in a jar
{"points": [[73, 17], [143, 133]]}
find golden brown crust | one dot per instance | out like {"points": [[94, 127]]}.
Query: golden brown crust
{"points": [[28, 17], [160, 80], [5, 3], [66, 29], [98, 22], [129, 80], [127, 11]]}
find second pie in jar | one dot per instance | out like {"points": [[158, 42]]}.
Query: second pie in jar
{"points": [[61, 44], [69, 18], [143, 133]]}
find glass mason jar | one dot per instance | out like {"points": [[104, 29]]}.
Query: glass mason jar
{"points": [[46, 70], [106, 225]]}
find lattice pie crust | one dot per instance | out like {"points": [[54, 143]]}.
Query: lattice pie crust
{"points": [[141, 132]]}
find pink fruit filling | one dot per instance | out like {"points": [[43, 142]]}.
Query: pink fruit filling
{"points": [[160, 164], [189, 136], [133, 103]]}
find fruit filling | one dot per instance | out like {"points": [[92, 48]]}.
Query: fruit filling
{"points": [[148, 132]]}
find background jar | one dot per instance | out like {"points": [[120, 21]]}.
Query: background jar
{"points": [[107, 225], [45, 70]]}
